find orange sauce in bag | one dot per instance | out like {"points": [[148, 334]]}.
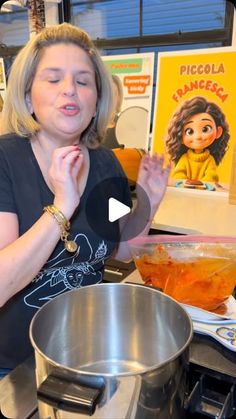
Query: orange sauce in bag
{"points": [[201, 281]]}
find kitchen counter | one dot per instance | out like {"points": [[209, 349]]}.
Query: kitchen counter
{"points": [[18, 392], [184, 211]]}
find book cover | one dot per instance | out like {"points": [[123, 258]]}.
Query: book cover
{"points": [[194, 119]]}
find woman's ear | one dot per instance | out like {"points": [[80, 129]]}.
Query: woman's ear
{"points": [[219, 132], [28, 103]]}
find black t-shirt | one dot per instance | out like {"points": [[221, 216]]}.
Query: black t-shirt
{"points": [[23, 191]]}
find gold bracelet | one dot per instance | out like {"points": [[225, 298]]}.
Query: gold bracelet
{"points": [[64, 225]]}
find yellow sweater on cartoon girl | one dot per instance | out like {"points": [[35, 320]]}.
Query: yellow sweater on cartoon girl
{"points": [[196, 166]]}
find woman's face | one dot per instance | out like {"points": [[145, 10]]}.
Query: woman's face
{"points": [[64, 94], [200, 131]]}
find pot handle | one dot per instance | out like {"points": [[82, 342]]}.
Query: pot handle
{"points": [[64, 394]]}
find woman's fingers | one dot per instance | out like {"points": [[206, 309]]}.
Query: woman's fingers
{"points": [[66, 164], [70, 161], [153, 165], [63, 173], [64, 157], [76, 166]]}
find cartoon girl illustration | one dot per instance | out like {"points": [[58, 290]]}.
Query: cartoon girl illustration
{"points": [[197, 141]]}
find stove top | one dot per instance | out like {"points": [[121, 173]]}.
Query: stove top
{"points": [[210, 392], [211, 380]]}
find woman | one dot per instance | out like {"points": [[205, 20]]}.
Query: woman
{"points": [[55, 114]]}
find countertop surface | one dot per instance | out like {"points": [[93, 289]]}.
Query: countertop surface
{"points": [[186, 211]]}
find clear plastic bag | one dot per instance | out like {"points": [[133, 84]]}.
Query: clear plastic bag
{"points": [[196, 270]]}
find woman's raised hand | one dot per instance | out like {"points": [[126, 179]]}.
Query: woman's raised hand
{"points": [[63, 175], [153, 178]]}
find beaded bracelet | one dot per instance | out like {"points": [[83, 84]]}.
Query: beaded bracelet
{"points": [[64, 224]]}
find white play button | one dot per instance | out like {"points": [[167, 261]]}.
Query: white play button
{"points": [[112, 201], [116, 209]]}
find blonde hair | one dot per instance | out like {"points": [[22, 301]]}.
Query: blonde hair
{"points": [[16, 116], [117, 98], [117, 82]]}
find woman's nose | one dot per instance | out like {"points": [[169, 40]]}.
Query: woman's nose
{"points": [[69, 87]]}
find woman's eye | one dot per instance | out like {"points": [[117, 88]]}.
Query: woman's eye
{"points": [[207, 128], [189, 131], [82, 83], [53, 81]]}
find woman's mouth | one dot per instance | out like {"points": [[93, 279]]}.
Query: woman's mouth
{"points": [[70, 109]]}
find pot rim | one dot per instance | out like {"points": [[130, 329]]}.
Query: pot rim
{"points": [[77, 371]]}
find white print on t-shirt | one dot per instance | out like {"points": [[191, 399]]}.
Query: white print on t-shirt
{"points": [[58, 280]]}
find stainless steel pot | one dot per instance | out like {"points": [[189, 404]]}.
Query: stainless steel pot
{"points": [[112, 351]]}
